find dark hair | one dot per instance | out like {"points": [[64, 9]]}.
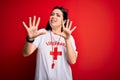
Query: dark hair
{"points": [[65, 16]]}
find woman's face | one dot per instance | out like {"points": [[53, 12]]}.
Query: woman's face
{"points": [[56, 18]]}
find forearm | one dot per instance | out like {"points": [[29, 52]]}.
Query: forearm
{"points": [[71, 55], [28, 49]]}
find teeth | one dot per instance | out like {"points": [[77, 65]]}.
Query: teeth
{"points": [[53, 20]]}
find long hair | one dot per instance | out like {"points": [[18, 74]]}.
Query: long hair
{"points": [[65, 16]]}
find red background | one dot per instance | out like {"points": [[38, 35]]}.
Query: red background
{"points": [[97, 37]]}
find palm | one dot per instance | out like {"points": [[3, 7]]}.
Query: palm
{"points": [[66, 33], [32, 30], [67, 30]]}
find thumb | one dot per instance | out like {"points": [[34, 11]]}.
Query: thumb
{"points": [[41, 33]]}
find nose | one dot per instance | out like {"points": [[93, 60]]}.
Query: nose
{"points": [[54, 16]]}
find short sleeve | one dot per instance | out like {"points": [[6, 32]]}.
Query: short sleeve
{"points": [[73, 44]]}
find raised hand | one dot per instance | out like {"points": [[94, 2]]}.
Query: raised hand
{"points": [[67, 31], [32, 28]]}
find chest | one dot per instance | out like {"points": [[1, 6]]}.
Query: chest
{"points": [[52, 42]]}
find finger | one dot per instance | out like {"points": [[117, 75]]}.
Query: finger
{"points": [[41, 33], [69, 27], [67, 23], [73, 29], [30, 22], [38, 21], [34, 19], [24, 24]]}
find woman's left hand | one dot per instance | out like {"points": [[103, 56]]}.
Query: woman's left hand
{"points": [[67, 31]]}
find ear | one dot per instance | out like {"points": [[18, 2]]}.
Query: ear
{"points": [[64, 21]]}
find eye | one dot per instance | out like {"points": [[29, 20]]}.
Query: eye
{"points": [[58, 15]]}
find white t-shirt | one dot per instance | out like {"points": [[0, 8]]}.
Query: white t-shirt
{"points": [[46, 48]]}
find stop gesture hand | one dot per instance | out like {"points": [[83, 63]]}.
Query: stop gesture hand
{"points": [[32, 28], [67, 31]]}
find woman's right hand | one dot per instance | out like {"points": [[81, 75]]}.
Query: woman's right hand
{"points": [[32, 28]]}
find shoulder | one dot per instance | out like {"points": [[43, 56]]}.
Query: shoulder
{"points": [[42, 30], [71, 37]]}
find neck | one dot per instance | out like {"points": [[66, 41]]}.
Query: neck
{"points": [[57, 30]]}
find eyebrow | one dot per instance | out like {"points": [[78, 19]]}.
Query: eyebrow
{"points": [[57, 13]]}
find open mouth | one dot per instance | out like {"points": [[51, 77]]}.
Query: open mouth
{"points": [[53, 20]]}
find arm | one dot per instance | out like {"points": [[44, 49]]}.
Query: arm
{"points": [[67, 31], [33, 32], [28, 49], [71, 55]]}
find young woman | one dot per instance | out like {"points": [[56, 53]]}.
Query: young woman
{"points": [[55, 44]]}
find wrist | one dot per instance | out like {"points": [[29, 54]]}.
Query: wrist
{"points": [[30, 40]]}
